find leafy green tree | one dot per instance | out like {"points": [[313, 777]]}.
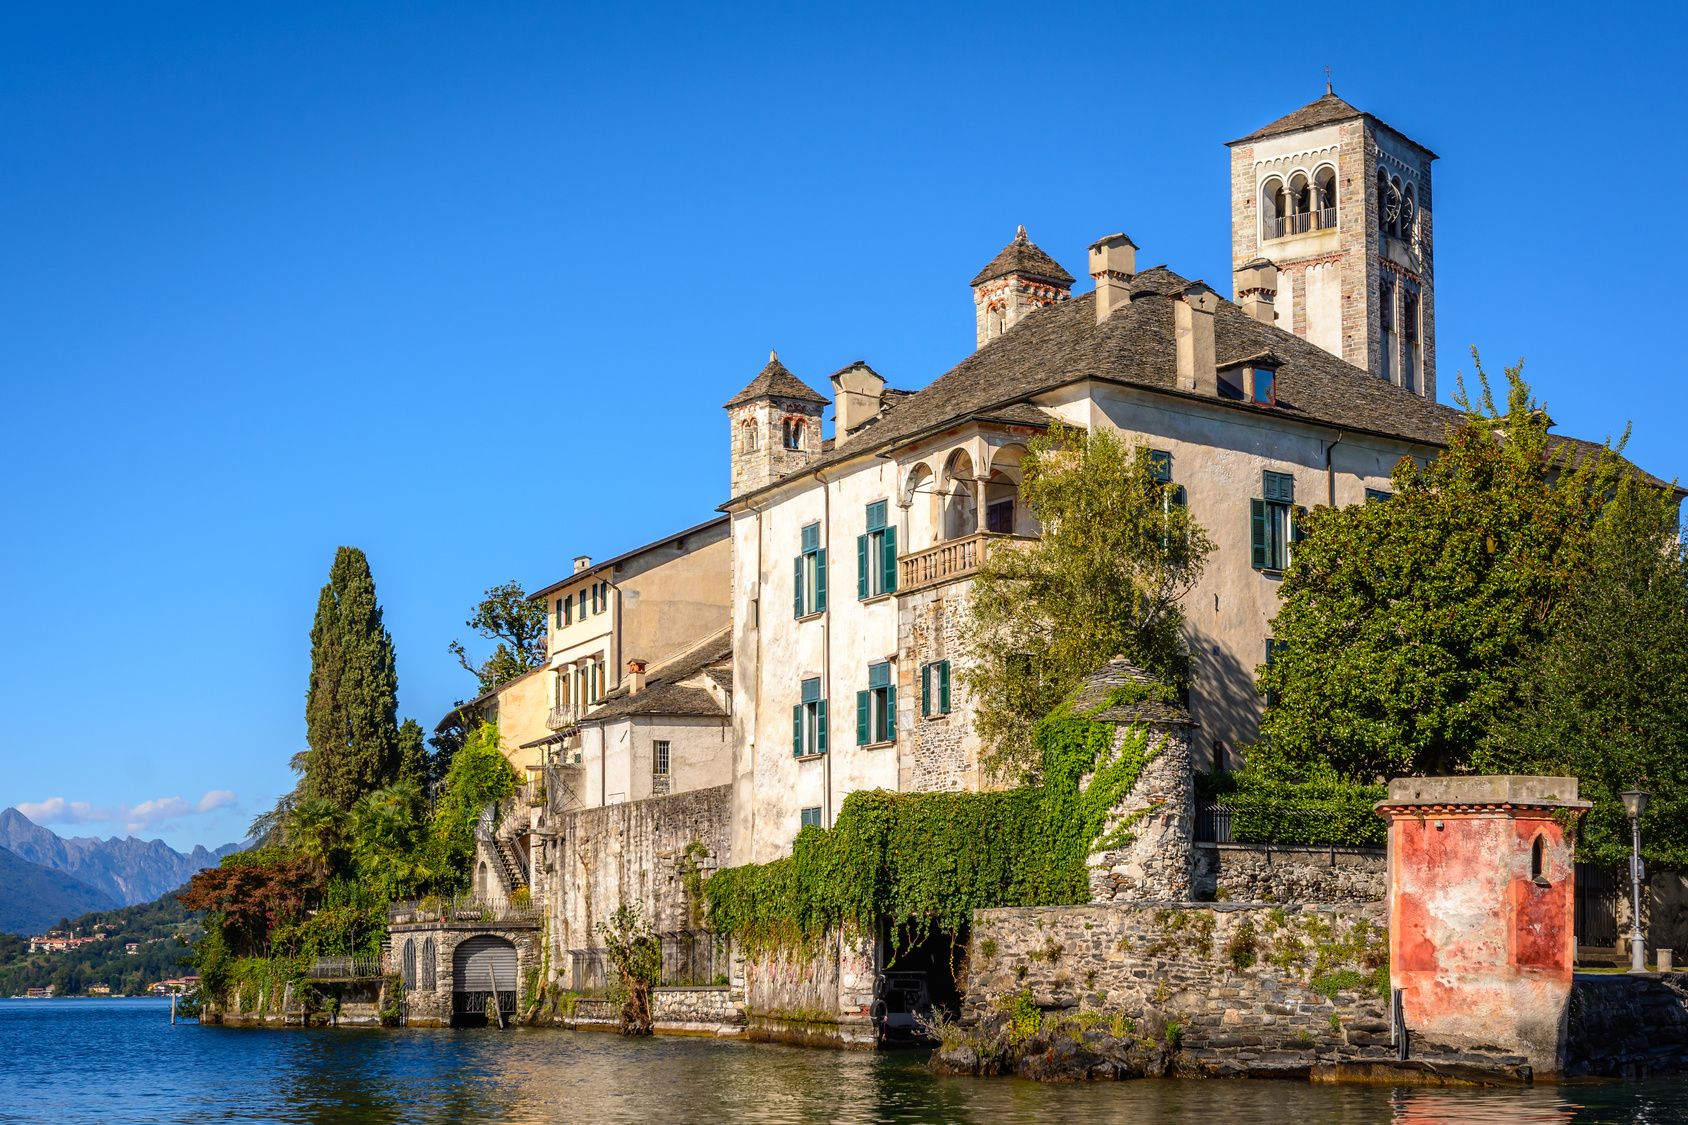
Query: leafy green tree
{"points": [[1404, 623], [506, 615], [351, 705], [479, 776], [414, 767], [389, 843], [1117, 553], [1602, 696]]}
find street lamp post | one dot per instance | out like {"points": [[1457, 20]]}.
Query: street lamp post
{"points": [[1635, 803]]}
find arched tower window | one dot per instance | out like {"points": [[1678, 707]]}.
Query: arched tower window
{"points": [[1538, 859], [1274, 209], [1300, 203], [793, 433], [1409, 213], [747, 435], [1382, 201], [1324, 198]]}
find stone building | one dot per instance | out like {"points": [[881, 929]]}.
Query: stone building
{"points": [[852, 557]]}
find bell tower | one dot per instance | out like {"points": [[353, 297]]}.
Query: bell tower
{"points": [[1340, 203], [774, 425]]}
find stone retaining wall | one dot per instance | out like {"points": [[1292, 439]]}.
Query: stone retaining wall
{"points": [[821, 997], [697, 1011], [1290, 873], [1627, 1025], [1243, 989]]}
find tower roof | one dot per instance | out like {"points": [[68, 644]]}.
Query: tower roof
{"points": [[774, 381], [1327, 110], [1023, 256]]}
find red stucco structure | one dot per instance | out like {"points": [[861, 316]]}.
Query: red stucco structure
{"points": [[1481, 921]]}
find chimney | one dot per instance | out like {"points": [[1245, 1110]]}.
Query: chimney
{"points": [[1113, 263], [1257, 288], [635, 677], [1192, 315], [858, 393], [581, 562]]}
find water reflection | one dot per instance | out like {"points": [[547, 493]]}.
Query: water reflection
{"points": [[127, 1064]]}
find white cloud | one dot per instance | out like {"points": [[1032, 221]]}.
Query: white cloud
{"points": [[57, 810], [215, 799], [134, 818]]}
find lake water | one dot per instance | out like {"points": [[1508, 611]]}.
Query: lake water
{"points": [[121, 1061]]}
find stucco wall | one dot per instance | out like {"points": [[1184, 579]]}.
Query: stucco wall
{"points": [[821, 996], [523, 706], [700, 756]]}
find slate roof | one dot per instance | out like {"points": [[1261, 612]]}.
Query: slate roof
{"points": [[1327, 110], [666, 691], [1024, 256], [1094, 689], [776, 381], [1061, 344]]}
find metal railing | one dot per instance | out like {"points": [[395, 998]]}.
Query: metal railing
{"points": [[344, 968], [690, 959], [459, 908], [1213, 823], [1282, 226], [949, 560]]}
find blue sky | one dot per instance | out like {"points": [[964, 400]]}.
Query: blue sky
{"points": [[465, 285]]}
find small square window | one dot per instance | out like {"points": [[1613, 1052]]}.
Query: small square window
{"points": [[812, 817]]}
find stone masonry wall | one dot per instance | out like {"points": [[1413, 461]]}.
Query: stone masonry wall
{"points": [[637, 852], [1290, 873], [1627, 1025], [1159, 816], [941, 753], [1252, 989], [706, 1011], [822, 996]]}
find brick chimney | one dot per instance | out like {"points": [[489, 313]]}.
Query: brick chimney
{"points": [[635, 677], [1192, 313], [1257, 289], [1113, 263]]}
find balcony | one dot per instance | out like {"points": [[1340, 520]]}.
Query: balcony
{"points": [[561, 718], [950, 560], [1283, 226]]}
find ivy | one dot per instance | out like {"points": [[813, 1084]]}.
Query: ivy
{"points": [[923, 862]]}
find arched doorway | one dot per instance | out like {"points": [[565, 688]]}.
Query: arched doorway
{"points": [[482, 967]]}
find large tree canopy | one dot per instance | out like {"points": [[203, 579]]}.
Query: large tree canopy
{"points": [[1118, 551], [351, 705], [1602, 696], [1516, 606]]}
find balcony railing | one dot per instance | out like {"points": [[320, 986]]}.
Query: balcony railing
{"points": [[460, 908], [1282, 226], [950, 560], [344, 968]]}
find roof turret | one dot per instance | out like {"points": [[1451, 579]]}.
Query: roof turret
{"points": [[1024, 256], [775, 381]]}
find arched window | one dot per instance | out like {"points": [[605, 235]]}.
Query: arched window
{"points": [[407, 964], [1274, 209], [1324, 201], [793, 434], [747, 435], [1538, 857], [427, 974], [1382, 201], [1300, 203], [480, 880]]}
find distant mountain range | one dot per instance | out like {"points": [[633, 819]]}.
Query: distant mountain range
{"points": [[116, 872]]}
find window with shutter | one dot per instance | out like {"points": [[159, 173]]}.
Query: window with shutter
{"points": [[1160, 466], [876, 708], [1271, 522], [935, 689], [568, 609], [809, 721], [862, 715], [812, 817], [876, 554], [925, 691], [943, 687]]}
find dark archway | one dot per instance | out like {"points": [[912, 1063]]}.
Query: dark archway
{"points": [[482, 967]]}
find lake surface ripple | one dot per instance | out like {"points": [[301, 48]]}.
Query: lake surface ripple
{"points": [[121, 1061]]}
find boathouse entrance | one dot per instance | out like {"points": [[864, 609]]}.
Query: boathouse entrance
{"points": [[483, 971]]}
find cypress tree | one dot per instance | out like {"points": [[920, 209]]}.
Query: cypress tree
{"points": [[351, 705]]}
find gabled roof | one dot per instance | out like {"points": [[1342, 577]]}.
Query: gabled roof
{"points": [[675, 687], [1024, 256], [1327, 110], [774, 381]]}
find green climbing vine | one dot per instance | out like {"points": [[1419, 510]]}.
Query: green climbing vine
{"points": [[925, 861]]}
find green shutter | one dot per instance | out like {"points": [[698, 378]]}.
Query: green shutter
{"points": [[888, 560], [1295, 533], [559, 613], [797, 587], [797, 731], [943, 688], [820, 579], [889, 733], [925, 691], [861, 566], [820, 727], [1257, 528], [861, 718], [876, 515]]}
